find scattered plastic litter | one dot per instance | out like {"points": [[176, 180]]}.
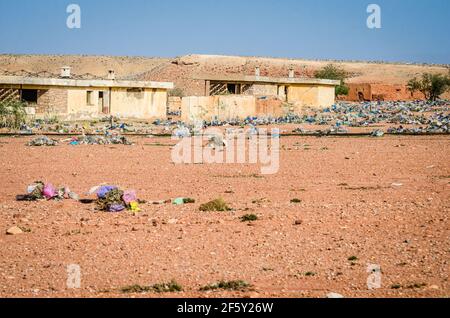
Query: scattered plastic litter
{"points": [[377, 133], [42, 141], [181, 201], [41, 191], [99, 140]]}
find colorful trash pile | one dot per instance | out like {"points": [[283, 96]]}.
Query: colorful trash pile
{"points": [[113, 199], [46, 191]]}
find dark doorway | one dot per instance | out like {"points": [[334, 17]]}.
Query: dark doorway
{"points": [[30, 96], [361, 96], [231, 88]]}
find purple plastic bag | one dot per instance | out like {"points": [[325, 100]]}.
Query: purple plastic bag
{"points": [[101, 193], [116, 208]]}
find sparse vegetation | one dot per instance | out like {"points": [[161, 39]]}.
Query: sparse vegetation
{"points": [[353, 258], [334, 72], [416, 286], [171, 287], [133, 289], [12, 114], [249, 218], [431, 85], [310, 274], [296, 200], [237, 285], [176, 92], [188, 200], [218, 205]]}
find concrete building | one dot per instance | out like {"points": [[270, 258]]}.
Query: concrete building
{"points": [[240, 96], [302, 91], [72, 98]]}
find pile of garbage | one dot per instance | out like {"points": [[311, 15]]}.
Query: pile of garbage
{"points": [[99, 140], [42, 141], [113, 199], [46, 191], [433, 116], [377, 133]]}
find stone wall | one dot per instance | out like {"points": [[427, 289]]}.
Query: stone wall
{"points": [[52, 101]]}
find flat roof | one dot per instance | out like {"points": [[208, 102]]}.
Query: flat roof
{"points": [[265, 79], [23, 80]]}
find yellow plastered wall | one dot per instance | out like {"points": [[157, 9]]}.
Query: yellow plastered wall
{"points": [[217, 107], [145, 104], [317, 96], [197, 108], [77, 101], [327, 96], [236, 106]]}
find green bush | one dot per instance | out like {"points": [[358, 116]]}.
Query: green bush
{"points": [[333, 72], [238, 285], [431, 85], [215, 205], [12, 114]]}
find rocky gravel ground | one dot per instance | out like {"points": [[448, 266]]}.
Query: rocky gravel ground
{"points": [[336, 206]]}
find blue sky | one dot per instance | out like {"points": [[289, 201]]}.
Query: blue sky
{"points": [[412, 31]]}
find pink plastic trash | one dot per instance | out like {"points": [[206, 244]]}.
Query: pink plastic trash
{"points": [[129, 196], [49, 191]]}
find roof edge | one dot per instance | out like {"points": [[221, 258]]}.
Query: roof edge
{"points": [[22, 80], [266, 79]]}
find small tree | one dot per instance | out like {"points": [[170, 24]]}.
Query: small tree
{"points": [[176, 92], [430, 85], [333, 72]]}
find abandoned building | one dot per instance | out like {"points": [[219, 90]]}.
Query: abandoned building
{"points": [[73, 98], [240, 96], [380, 92]]}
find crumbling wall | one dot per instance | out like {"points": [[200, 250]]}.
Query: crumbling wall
{"points": [[393, 92], [174, 104], [384, 92], [271, 107], [358, 92], [262, 90]]}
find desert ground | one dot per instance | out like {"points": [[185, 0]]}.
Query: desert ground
{"points": [[362, 201]]}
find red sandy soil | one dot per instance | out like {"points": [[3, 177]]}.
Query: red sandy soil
{"points": [[349, 208]]}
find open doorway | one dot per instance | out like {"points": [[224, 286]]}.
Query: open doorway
{"points": [[30, 96], [103, 102]]}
